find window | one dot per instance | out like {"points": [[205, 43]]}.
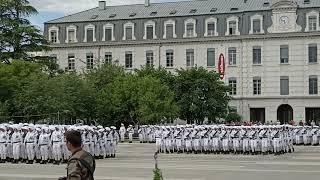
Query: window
{"points": [[71, 34], [169, 29], [149, 58], [169, 58], [233, 86], [132, 14], [173, 12], [108, 57], [313, 53], [153, 13], [112, 15], [108, 32], [128, 33], [313, 85], [192, 11], [256, 55], [149, 32], [312, 23], [284, 85], [211, 28], [71, 62], [190, 57], [284, 54], [128, 60], [89, 61], [232, 54], [89, 35], [53, 34], [256, 26], [210, 57], [256, 86], [232, 27], [190, 30]]}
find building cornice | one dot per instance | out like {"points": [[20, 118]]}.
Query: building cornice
{"points": [[215, 39]]}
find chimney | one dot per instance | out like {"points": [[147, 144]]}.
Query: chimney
{"points": [[147, 3], [102, 5]]}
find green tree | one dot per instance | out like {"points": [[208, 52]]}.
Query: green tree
{"points": [[233, 117], [160, 73], [200, 94], [136, 99], [4, 113], [17, 35], [104, 75]]}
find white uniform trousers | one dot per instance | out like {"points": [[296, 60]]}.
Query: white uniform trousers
{"points": [[215, 144], [16, 151], [246, 145], [264, 145], [122, 137], [130, 137], [56, 151], [44, 151], [3, 151], [30, 151]]}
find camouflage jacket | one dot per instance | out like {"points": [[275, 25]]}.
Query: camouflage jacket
{"points": [[81, 166]]}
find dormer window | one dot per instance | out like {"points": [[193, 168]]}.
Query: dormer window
{"points": [[128, 33], [256, 24], [169, 29], [149, 29], [211, 27], [190, 28], [232, 26], [312, 23], [89, 34], [71, 34], [54, 34], [108, 34]]}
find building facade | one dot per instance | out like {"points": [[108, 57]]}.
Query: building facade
{"points": [[271, 47]]}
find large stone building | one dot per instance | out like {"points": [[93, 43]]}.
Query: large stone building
{"points": [[270, 47]]}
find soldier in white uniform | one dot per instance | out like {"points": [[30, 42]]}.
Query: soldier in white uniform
{"points": [[30, 142], [130, 131], [43, 143], [122, 131], [56, 141], [16, 143], [3, 143]]}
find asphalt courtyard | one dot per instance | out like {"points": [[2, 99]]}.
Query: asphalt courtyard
{"points": [[135, 162]]}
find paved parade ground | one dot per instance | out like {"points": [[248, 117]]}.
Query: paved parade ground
{"points": [[135, 162]]}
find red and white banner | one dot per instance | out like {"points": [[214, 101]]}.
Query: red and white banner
{"points": [[222, 66]]}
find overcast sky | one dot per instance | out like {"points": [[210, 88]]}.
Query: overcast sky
{"points": [[52, 9]]}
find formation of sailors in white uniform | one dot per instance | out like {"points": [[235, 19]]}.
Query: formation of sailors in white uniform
{"points": [[46, 143], [263, 139]]}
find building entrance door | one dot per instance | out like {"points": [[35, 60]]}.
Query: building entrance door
{"points": [[285, 113]]}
